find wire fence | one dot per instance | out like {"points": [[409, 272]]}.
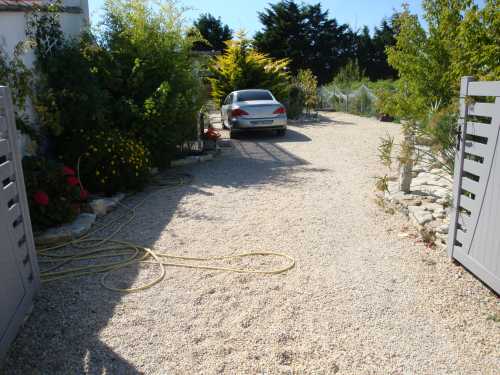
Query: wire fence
{"points": [[361, 101]]}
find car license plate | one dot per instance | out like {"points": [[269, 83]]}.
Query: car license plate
{"points": [[263, 122]]}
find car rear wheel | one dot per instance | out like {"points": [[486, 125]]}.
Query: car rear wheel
{"points": [[281, 132]]}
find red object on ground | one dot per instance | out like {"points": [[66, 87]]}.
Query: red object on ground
{"points": [[41, 198], [67, 171], [212, 134], [72, 181], [84, 194]]}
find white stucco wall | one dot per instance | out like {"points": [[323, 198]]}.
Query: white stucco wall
{"points": [[13, 26]]}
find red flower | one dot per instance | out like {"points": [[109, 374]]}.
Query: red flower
{"points": [[67, 171], [72, 181], [84, 194], [41, 198]]}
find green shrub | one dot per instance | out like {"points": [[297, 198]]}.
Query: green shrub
{"points": [[295, 101], [54, 192], [151, 75], [137, 75], [110, 162], [71, 98]]}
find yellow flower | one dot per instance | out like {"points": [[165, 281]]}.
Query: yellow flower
{"points": [[97, 173]]}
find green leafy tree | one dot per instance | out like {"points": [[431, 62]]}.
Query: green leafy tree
{"points": [[242, 67], [461, 39], [364, 52], [214, 33], [477, 49], [307, 36], [384, 36]]}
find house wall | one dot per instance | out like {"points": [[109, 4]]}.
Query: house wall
{"points": [[13, 26]]}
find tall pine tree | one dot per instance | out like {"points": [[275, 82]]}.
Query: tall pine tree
{"points": [[307, 36]]}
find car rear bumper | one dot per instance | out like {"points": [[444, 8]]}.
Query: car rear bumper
{"points": [[276, 123]]}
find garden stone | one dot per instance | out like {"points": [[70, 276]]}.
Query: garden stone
{"points": [[442, 229], [434, 207], [419, 215], [82, 224], [439, 215], [67, 232], [185, 161], [415, 202], [442, 200], [206, 157], [438, 171], [102, 206], [441, 192]]}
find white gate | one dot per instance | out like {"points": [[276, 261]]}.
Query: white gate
{"points": [[19, 275], [474, 237]]}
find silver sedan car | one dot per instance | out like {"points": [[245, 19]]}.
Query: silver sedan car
{"points": [[253, 110]]}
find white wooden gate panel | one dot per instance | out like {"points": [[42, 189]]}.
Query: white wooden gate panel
{"points": [[19, 274], [474, 238]]}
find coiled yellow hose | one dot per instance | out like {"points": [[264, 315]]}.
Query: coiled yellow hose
{"points": [[92, 248]]}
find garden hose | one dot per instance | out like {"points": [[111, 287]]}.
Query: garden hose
{"points": [[91, 248]]}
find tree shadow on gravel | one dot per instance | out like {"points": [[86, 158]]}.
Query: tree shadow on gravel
{"points": [[64, 332], [258, 159], [62, 335], [271, 137]]}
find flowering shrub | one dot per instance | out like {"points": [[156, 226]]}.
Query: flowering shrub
{"points": [[54, 192], [111, 162]]}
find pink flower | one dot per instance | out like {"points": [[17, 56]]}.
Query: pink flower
{"points": [[67, 171], [72, 181], [41, 198]]}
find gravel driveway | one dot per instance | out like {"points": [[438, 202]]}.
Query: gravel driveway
{"points": [[362, 299]]}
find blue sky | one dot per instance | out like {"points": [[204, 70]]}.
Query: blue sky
{"points": [[240, 14]]}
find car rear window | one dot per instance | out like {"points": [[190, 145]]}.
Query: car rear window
{"points": [[254, 95]]}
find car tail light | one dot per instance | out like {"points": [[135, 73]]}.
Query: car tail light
{"points": [[280, 111], [238, 112]]}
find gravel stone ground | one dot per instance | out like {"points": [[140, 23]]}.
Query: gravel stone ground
{"points": [[366, 297]]}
